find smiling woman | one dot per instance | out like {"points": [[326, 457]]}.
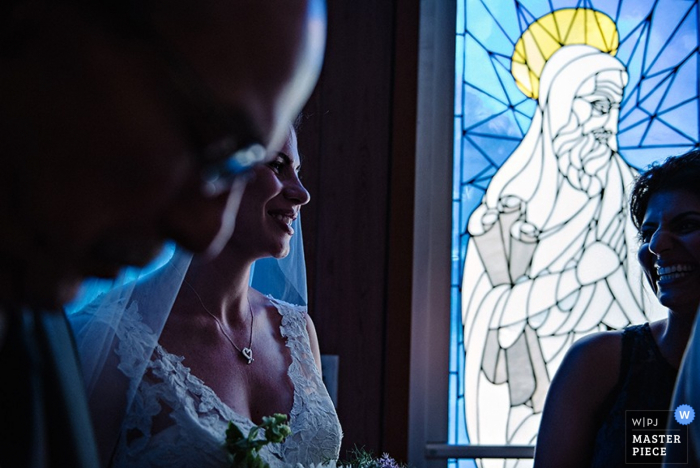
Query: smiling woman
{"points": [[606, 374], [227, 352], [670, 235], [270, 204]]}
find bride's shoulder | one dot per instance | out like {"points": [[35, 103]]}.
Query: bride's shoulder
{"points": [[286, 307], [294, 317]]}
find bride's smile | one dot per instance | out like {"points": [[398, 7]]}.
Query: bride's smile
{"points": [[271, 204]]}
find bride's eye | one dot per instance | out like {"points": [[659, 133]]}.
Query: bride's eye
{"points": [[276, 165]]}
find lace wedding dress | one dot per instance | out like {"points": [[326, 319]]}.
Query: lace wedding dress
{"points": [[199, 418]]}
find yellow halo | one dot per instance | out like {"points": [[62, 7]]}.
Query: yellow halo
{"points": [[555, 30]]}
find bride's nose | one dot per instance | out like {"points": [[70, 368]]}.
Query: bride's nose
{"points": [[295, 190]]}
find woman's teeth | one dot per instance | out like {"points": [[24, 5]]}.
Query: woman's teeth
{"points": [[285, 219], [674, 271]]}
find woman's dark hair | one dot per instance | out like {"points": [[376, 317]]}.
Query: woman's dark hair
{"points": [[675, 173]]}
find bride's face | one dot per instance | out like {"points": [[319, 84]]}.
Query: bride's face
{"points": [[271, 203]]}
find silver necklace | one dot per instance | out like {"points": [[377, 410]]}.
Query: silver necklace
{"points": [[246, 352]]}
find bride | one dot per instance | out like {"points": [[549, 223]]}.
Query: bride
{"points": [[226, 351]]}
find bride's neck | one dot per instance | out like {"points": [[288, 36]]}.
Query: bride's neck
{"points": [[222, 286]]}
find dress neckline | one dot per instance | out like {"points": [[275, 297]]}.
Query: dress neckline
{"points": [[221, 406]]}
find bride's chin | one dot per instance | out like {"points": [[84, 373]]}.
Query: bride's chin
{"points": [[282, 251]]}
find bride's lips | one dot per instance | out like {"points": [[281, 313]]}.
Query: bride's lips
{"points": [[284, 219]]}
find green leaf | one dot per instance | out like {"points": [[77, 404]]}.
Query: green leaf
{"points": [[243, 451]]}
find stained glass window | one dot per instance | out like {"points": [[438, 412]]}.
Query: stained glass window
{"points": [[559, 104]]}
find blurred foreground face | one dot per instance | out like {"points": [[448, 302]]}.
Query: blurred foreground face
{"points": [[117, 133]]}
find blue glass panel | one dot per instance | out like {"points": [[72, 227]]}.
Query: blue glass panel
{"points": [[454, 338], [498, 148], [457, 228], [483, 77], [652, 92], [457, 162], [459, 27], [500, 124], [635, 118], [685, 120], [463, 248], [631, 53], [523, 115], [479, 105], [684, 86], [466, 464], [661, 134], [633, 137], [459, 74], [507, 20], [473, 160], [673, 29], [642, 157], [470, 199], [534, 9], [453, 437], [492, 107], [491, 32]]}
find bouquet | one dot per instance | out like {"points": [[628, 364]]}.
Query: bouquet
{"points": [[243, 452]]}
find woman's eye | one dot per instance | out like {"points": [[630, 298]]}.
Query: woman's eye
{"points": [[645, 235], [276, 165], [688, 226]]}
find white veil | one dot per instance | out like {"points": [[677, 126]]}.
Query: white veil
{"points": [[283, 278], [114, 352]]}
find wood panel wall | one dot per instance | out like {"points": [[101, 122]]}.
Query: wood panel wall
{"points": [[358, 145]]}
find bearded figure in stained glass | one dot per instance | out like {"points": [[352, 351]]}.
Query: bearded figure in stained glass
{"points": [[551, 250]]}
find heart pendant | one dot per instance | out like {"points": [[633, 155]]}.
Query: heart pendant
{"points": [[248, 354]]}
